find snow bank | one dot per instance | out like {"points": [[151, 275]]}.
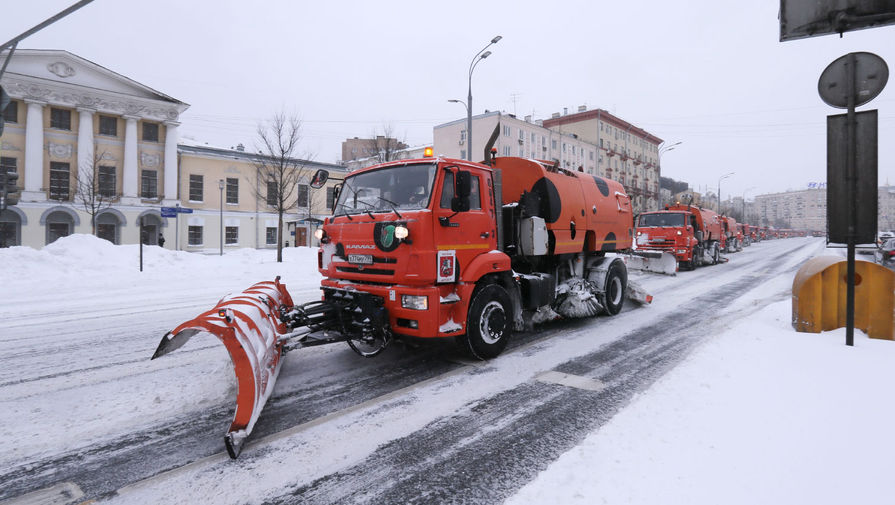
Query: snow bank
{"points": [[761, 414]]}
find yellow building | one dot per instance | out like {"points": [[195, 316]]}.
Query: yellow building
{"points": [[71, 119]]}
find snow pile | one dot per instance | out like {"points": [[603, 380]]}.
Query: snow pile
{"points": [[761, 414]]}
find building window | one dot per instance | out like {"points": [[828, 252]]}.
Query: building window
{"points": [[553, 144], [462, 135], [149, 184], [108, 125], [195, 235], [59, 181], [506, 131], [463, 154], [60, 118], [330, 197], [8, 164], [106, 179], [231, 235], [11, 114], [271, 235], [303, 196], [196, 188], [150, 132], [272, 193], [506, 150], [232, 190]]}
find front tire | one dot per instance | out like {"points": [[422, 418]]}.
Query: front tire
{"points": [[487, 323]]}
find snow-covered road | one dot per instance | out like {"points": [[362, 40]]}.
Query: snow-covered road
{"points": [[80, 403]]}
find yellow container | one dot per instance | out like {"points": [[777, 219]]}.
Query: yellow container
{"points": [[819, 296]]}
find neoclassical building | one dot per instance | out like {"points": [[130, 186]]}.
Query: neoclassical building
{"points": [[70, 118]]}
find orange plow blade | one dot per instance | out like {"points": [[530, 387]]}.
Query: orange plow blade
{"points": [[250, 327]]}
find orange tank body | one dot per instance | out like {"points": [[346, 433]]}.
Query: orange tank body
{"points": [[583, 212]]}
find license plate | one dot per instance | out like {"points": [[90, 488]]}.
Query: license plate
{"points": [[360, 259]]}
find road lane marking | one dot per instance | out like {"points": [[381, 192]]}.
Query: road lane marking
{"points": [[60, 494], [569, 380]]}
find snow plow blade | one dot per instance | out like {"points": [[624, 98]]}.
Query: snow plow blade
{"points": [[659, 262], [637, 294], [249, 325]]}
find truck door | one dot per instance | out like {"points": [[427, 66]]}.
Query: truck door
{"points": [[462, 236]]}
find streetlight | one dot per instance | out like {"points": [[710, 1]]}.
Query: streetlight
{"points": [[221, 185], [670, 147], [468, 116], [744, 201], [479, 56], [662, 150], [725, 176]]}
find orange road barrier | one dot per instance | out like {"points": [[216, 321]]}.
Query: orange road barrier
{"points": [[819, 293]]}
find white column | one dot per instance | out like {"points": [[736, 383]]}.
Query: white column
{"points": [[130, 167], [85, 141], [171, 170], [34, 153]]}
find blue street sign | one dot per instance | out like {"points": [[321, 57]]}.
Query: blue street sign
{"points": [[169, 212], [184, 211]]}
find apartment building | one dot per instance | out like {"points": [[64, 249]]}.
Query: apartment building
{"points": [[625, 152], [804, 209], [628, 154], [71, 119]]}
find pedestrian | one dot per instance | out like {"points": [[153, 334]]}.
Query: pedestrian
{"points": [[161, 240]]}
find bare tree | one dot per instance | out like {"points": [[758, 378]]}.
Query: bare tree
{"points": [[385, 146], [280, 174], [93, 191]]}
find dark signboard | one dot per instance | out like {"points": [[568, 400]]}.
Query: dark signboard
{"points": [[838, 198]]}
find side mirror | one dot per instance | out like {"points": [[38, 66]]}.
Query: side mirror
{"points": [[462, 189], [319, 179]]}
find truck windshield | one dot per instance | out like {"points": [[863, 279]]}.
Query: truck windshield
{"points": [[662, 219], [403, 187]]}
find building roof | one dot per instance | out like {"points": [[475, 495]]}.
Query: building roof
{"points": [[602, 115]]}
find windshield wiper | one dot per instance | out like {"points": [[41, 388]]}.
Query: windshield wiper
{"points": [[393, 205], [346, 214]]}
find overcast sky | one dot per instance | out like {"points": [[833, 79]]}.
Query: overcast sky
{"points": [[708, 73]]}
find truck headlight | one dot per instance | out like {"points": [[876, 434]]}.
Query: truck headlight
{"points": [[679, 232], [415, 302], [401, 232], [319, 233]]}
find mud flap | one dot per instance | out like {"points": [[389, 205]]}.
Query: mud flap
{"points": [[249, 326], [652, 261]]}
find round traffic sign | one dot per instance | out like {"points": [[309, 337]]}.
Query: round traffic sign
{"points": [[870, 76]]}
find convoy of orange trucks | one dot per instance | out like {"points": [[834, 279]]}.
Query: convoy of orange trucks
{"points": [[441, 248]]}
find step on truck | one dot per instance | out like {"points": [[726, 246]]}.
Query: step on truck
{"points": [[693, 234], [433, 248]]}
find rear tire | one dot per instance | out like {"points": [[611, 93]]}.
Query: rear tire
{"points": [[487, 323], [616, 285]]}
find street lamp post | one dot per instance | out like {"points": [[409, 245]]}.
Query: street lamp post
{"points": [[221, 186], [662, 150], [725, 176], [744, 201], [479, 56]]}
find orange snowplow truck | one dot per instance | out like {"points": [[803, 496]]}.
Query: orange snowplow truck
{"points": [[692, 234], [434, 248]]}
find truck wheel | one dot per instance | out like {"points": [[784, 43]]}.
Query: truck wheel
{"points": [[616, 283], [487, 322]]}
